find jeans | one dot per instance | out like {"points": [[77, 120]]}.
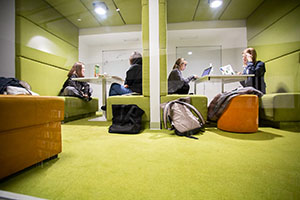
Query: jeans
{"points": [[117, 89]]}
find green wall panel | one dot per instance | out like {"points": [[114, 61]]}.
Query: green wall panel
{"points": [[163, 46], [145, 24], [163, 72], [283, 74], [281, 38], [268, 13], [35, 43], [145, 38], [146, 73], [44, 79], [163, 24], [42, 14]]}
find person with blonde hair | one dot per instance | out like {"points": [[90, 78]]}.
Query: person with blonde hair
{"points": [[176, 83], [76, 88], [252, 66]]}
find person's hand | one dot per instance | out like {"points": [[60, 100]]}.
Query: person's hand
{"points": [[249, 57], [239, 73], [126, 86], [195, 77]]}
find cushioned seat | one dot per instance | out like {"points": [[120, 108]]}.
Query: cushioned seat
{"points": [[76, 108], [30, 131], [198, 101], [241, 115], [280, 110], [139, 100]]}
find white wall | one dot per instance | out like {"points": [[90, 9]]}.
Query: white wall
{"points": [[231, 41], [116, 49], [7, 38]]}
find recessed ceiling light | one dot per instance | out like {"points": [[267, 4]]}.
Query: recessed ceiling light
{"points": [[215, 3], [79, 19], [100, 8], [190, 53]]}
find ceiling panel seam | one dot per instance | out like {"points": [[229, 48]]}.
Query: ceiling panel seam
{"points": [[91, 13], [116, 7], [60, 13], [219, 18], [255, 9], [196, 10]]}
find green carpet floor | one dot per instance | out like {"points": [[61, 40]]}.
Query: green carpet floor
{"points": [[160, 165]]}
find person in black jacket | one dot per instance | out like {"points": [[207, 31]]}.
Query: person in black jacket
{"points": [[133, 80], [76, 88], [252, 66], [176, 83]]}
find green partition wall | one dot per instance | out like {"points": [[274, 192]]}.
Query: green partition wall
{"points": [[46, 46], [274, 31], [162, 46], [145, 38]]}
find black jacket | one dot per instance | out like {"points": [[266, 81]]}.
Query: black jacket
{"points": [[176, 81], [81, 87], [134, 76], [258, 82], [4, 82]]}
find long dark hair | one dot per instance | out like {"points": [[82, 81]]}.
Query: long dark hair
{"points": [[178, 63], [76, 69]]}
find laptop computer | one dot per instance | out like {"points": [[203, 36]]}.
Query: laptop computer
{"points": [[227, 70], [206, 71]]}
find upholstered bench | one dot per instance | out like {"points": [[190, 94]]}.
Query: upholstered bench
{"points": [[76, 108], [139, 100], [280, 110], [241, 115], [30, 131], [198, 101]]}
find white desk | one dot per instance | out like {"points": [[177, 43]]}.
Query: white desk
{"points": [[221, 78], [101, 79]]}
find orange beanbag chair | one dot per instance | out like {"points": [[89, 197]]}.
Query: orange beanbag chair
{"points": [[241, 115]]}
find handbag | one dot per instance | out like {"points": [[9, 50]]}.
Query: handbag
{"points": [[127, 118]]}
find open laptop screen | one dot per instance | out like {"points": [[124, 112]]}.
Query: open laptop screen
{"points": [[206, 71]]}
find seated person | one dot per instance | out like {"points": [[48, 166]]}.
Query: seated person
{"points": [[251, 66], [76, 88], [133, 81], [176, 83]]}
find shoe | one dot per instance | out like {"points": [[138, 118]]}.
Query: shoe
{"points": [[103, 107]]}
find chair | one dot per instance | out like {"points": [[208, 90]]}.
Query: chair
{"points": [[241, 115]]}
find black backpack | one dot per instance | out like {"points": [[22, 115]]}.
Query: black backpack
{"points": [[127, 118], [182, 119]]}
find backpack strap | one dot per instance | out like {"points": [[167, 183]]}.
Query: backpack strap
{"points": [[167, 108], [165, 115]]}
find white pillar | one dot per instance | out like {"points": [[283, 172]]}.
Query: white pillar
{"points": [[154, 64]]}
